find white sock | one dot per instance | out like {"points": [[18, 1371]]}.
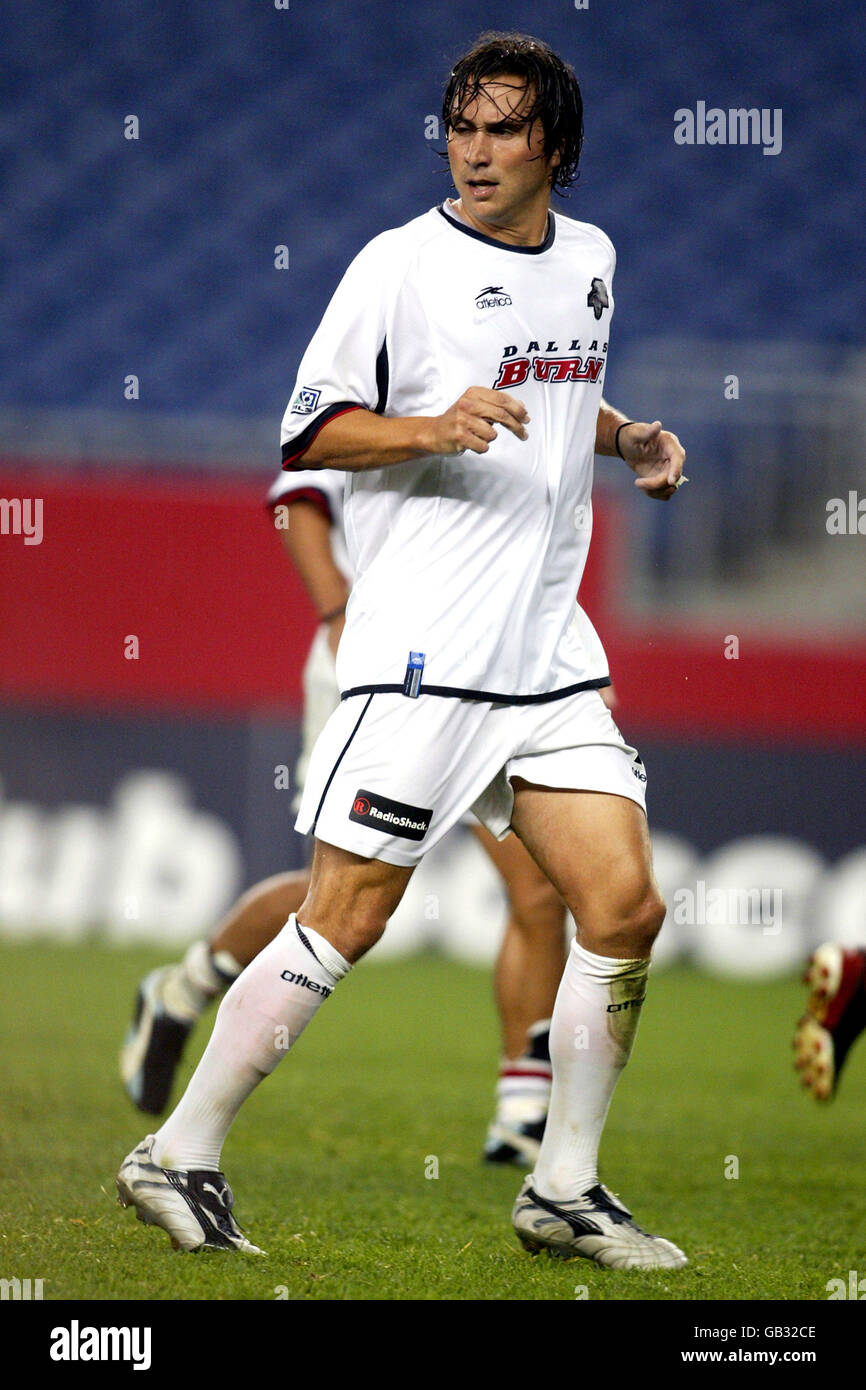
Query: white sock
{"points": [[593, 1027], [201, 976], [266, 1009]]}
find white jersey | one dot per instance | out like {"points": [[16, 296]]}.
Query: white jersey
{"points": [[471, 563]]}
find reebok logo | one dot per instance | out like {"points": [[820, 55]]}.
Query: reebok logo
{"points": [[392, 817], [305, 983], [492, 297]]}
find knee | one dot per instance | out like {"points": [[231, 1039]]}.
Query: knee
{"points": [[352, 931], [635, 927], [644, 921]]}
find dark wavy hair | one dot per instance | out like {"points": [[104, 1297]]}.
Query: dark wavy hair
{"points": [[555, 102]]}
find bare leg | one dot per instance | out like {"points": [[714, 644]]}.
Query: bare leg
{"points": [[350, 899], [596, 850], [532, 955], [255, 918]]}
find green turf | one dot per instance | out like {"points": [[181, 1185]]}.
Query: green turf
{"points": [[328, 1158]]}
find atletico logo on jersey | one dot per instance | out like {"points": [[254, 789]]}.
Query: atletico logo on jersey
{"points": [[597, 299], [492, 297]]}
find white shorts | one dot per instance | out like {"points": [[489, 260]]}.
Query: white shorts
{"points": [[389, 776]]}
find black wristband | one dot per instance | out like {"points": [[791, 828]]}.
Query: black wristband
{"points": [[335, 613], [616, 439]]}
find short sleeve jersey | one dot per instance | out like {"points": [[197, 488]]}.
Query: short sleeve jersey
{"points": [[472, 560], [325, 488]]}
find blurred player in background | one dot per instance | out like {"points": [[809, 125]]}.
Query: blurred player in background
{"points": [[308, 513], [457, 377], [834, 1019]]}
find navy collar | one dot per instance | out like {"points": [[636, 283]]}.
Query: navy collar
{"points": [[455, 221]]}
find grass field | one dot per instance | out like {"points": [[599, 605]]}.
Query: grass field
{"points": [[328, 1158]]}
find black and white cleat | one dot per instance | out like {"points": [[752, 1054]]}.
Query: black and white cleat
{"points": [[595, 1226], [153, 1045], [195, 1207]]}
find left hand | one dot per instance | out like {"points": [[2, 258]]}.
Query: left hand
{"points": [[656, 456]]}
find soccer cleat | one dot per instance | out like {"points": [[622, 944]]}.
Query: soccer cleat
{"points": [[195, 1208], [518, 1143], [154, 1043], [835, 1017], [596, 1226]]}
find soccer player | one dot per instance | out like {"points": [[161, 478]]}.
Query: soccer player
{"points": [[834, 1019], [457, 377], [172, 998]]}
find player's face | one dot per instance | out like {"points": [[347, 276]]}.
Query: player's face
{"points": [[498, 162]]}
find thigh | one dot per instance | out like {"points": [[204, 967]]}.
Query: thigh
{"points": [[593, 846], [524, 880], [351, 898]]}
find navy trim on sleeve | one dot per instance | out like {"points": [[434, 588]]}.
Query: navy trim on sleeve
{"points": [[294, 449], [314, 495]]}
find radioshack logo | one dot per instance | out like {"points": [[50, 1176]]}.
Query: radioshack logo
{"points": [[492, 297], [391, 817]]}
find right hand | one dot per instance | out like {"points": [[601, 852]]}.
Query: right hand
{"points": [[469, 422]]}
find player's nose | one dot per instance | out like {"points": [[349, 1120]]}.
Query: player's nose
{"points": [[478, 150]]}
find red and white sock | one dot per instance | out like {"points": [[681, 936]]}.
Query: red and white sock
{"points": [[265, 1011], [523, 1087], [593, 1027]]}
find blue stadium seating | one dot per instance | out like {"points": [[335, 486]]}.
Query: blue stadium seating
{"points": [[305, 126]]}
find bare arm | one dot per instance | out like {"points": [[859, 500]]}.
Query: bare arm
{"points": [[653, 453], [308, 542], [360, 439]]}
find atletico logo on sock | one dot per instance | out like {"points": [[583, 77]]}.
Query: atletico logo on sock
{"points": [[306, 983]]}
